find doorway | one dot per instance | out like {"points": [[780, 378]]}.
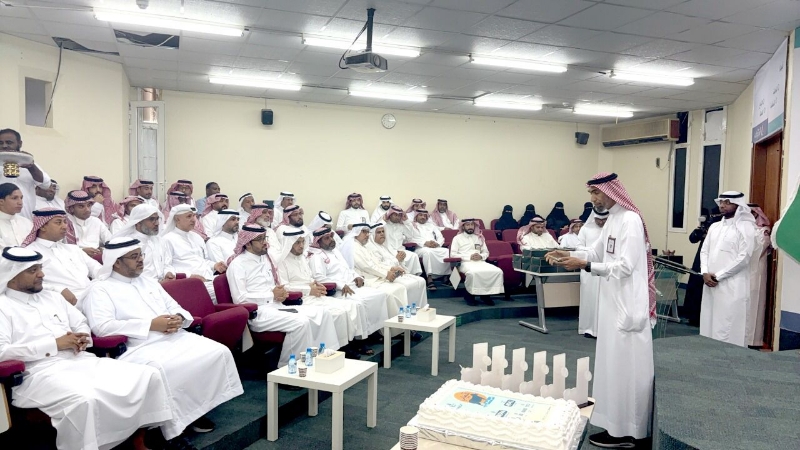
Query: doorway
{"points": [[765, 190]]}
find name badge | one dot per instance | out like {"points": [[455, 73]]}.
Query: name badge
{"points": [[611, 245], [478, 247]]}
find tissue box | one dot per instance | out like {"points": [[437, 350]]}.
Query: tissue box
{"points": [[329, 364], [424, 315]]}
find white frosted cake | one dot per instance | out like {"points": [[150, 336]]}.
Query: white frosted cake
{"points": [[505, 417]]}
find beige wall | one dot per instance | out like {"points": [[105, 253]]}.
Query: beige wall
{"points": [[324, 152], [739, 144], [90, 129]]}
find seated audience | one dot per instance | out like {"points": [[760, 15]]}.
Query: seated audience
{"points": [[429, 242], [30, 176], [104, 207], [144, 189], [506, 220], [211, 189], [443, 217], [587, 210], [535, 235], [292, 220], [223, 241], [143, 225], [414, 206], [128, 203], [482, 278], [322, 219], [285, 200], [353, 212], [261, 215], [208, 216], [570, 239], [48, 198], [385, 202], [246, 203], [186, 188], [378, 232], [174, 198], [90, 232], [530, 213], [557, 219], [398, 231], [14, 227]]}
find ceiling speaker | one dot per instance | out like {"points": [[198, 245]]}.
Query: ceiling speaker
{"points": [[581, 138], [266, 117]]}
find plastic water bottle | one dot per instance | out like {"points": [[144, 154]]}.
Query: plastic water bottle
{"points": [[408, 312], [292, 364], [413, 309], [309, 357], [321, 348]]}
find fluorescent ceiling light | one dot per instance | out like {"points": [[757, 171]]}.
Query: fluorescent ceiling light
{"points": [[177, 23], [519, 64], [600, 110], [389, 96], [343, 44], [651, 78], [491, 103], [255, 82]]}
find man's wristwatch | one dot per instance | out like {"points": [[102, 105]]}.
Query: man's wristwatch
{"points": [[588, 267]]}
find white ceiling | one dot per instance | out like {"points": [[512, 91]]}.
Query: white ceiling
{"points": [[719, 42]]}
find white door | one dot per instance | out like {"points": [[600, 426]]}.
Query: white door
{"points": [[147, 160]]}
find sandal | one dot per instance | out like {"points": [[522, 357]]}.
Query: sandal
{"points": [[431, 287]]}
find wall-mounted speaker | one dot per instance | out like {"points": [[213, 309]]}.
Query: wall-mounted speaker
{"points": [[581, 138], [266, 117]]}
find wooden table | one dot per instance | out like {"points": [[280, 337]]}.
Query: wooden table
{"points": [[434, 326]]}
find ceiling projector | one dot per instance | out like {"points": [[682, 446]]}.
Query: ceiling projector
{"points": [[366, 62]]}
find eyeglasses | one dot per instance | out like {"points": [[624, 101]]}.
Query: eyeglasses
{"points": [[134, 257]]}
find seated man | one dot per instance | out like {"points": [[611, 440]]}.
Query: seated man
{"points": [[353, 212], [429, 242], [322, 219], [329, 266], [211, 189], [443, 217], [246, 203], [144, 225], [398, 230], [285, 200], [535, 235], [378, 246], [200, 374], [253, 278], [185, 251], [68, 269], [14, 227], [570, 240], [128, 203], [104, 206], [174, 198], [144, 189], [92, 402], [48, 198], [483, 279], [381, 210], [292, 220], [186, 188], [214, 204], [261, 215], [415, 205], [89, 232], [223, 243]]}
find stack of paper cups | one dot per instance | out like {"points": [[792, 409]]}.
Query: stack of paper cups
{"points": [[409, 438]]}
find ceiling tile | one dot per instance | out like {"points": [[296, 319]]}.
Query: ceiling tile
{"points": [[613, 42], [735, 76], [211, 46], [42, 39], [289, 21], [474, 44], [647, 4], [444, 20], [707, 54], [504, 28], [481, 6], [746, 60], [768, 15], [525, 50], [448, 82], [13, 25], [471, 73], [157, 64], [549, 11], [137, 51], [205, 58], [514, 78], [20, 13], [405, 78], [309, 56], [439, 59], [261, 64], [62, 15], [318, 7], [78, 32], [387, 12], [714, 9], [758, 41], [605, 17], [660, 48], [712, 33], [662, 24], [269, 52], [285, 41], [417, 68], [313, 69], [560, 36]]}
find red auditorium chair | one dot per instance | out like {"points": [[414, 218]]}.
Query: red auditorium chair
{"points": [[553, 233], [501, 255], [223, 292], [493, 223], [98, 257], [489, 235], [223, 323], [480, 224], [448, 236], [510, 236], [563, 232]]}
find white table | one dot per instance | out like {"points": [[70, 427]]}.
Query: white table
{"points": [[540, 279], [335, 383], [434, 326]]}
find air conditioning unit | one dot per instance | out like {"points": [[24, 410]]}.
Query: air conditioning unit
{"points": [[641, 133]]}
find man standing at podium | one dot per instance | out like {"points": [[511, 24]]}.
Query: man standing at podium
{"points": [[623, 370]]}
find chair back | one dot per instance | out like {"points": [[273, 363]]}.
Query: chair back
{"points": [[489, 235], [499, 248], [191, 294], [553, 233], [222, 290], [509, 235], [480, 224], [493, 223], [448, 236]]}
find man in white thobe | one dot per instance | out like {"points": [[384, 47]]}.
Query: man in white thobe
{"points": [[482, 278], [349, 315], [570, 239], [185, 251], [416, 204], [535, 236], [253, 278], [30, 176], [222, 238], [292, 221], [90, 232], [144, 189], [590, 285], [93, 403], [414, 284], [623, 369], [48, 198], [430, 248], [103, 206], [398, 231], [246, 202], [211, 189], [144, 225], [68, 269], [128, 203], [14, 227], [200, 374], [378, 245], [762, 249], [353, 213], [214, 204], [384, 203], [285, 200], [322, 219], [724, 263], [444, 218]]}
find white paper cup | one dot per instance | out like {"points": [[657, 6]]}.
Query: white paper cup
{"points": [[400, 317], [303, 371], [314, 352]]}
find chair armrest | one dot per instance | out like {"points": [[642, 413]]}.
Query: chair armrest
{"points": [[294, 296], [452, 260], [226, 327], [197, 325], [251, 308], [111, 346], [330, 287], [10, 369], [180, 276], [410, 246]]}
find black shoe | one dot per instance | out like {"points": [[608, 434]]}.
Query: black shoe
{"points": [[605, 440], [507, 298], [179, 443], [415, 336], [470, 299], [487, 300], [203, 425], [588, 335], [351, 354]]}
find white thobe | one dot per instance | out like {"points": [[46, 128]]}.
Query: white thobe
{"points": [[396, 235], [371, 263], [482, 278], [117, 224], [569, 240], [221, 246], [27, 185], [349, 317], [377, 215], [726, 253], [590, 285], [99, 211], [154, 256], [209, 222], [623, 367], [13, 229], [331, 267], [756, 308], [374, 274], [251, 280], [93, 403], [66, 266], [42, 203], [200, 374], [277, 216], [351, 216], [532, 240], [185, 252], [432, 257], [410, 263], [90, 233], [448, 225]]}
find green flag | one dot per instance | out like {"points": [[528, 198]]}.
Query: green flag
{"points": [[786, 233]]}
